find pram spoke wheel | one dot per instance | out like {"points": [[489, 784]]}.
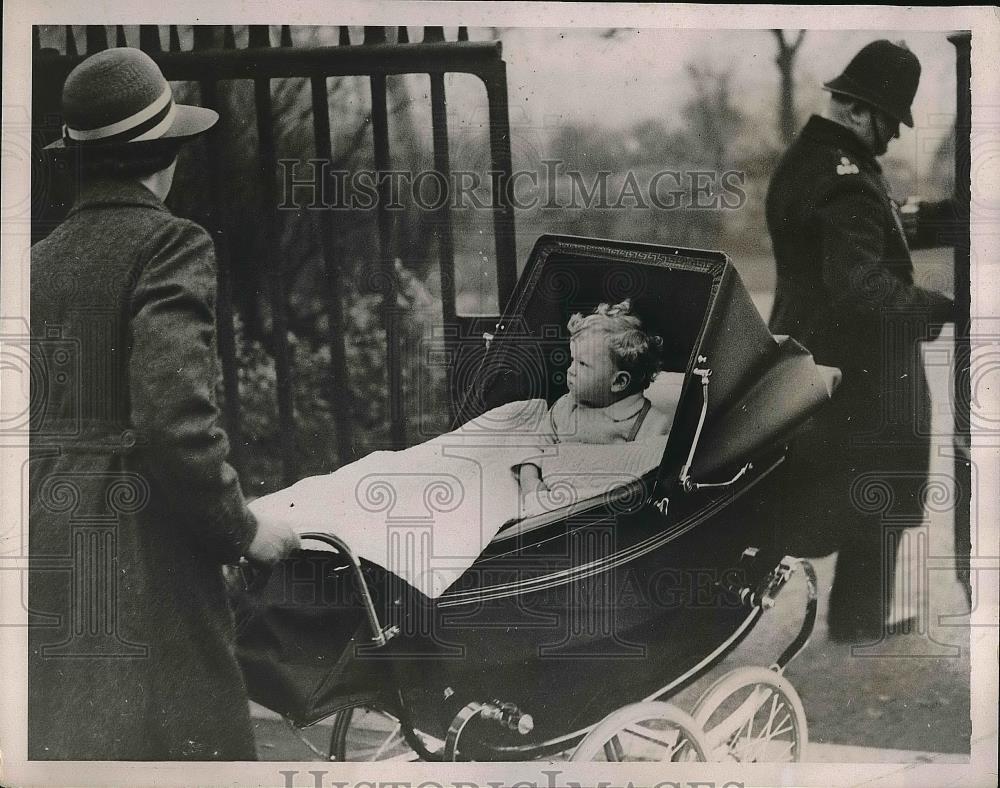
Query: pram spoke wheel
{"points": [[364, 733], [650, 731], [753, 715]]}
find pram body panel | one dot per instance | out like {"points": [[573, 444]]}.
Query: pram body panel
{"points": [[650, 607], [638, 586]]}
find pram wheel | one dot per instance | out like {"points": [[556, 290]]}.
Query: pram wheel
{"points": [[366, 733], [752, 715], [650, 731]]}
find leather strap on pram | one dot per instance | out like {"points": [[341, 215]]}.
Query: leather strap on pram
{"points": [[646, 405]]}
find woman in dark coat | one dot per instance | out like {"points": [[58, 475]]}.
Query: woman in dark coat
{"points": [[133, 507]]}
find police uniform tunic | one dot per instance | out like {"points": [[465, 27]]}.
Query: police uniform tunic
{"points": [[845, 290]]}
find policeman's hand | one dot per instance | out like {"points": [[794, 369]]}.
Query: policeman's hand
{"points": [[963, 447], [275, 540], [909, 214]]}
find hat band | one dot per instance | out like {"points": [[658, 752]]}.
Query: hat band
{"points": [[149, 123]]}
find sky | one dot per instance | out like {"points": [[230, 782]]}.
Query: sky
{"points": [[573, 73], [580, 76]]}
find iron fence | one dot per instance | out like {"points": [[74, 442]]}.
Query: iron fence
{"points": [[215, 57]]}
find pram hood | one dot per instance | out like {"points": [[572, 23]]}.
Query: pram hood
{"points": [[760, 387]]}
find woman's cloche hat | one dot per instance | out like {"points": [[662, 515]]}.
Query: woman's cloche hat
{"points": [[118, 98]]}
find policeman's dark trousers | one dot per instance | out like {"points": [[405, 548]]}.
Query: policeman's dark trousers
{"points": [[861, 597], [868, 551], [860, 502]]}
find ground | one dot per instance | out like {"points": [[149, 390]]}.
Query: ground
{"points": [[910, 692]]}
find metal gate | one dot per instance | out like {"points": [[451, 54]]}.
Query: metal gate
{"points": [[215, 57]]}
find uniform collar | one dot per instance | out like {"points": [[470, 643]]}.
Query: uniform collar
{"points": [[110, 191], [829, 132]]}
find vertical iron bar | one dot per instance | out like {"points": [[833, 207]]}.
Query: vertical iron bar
{"points": [[204, 38], [50, 197], [259, 36], [500, 160], [402, 35], [276, 288], [71, 50], [443, 229], [149, 39], [97, 38], [374, 35], [344, 36], [463, 34], [286, 36], [120, 38], [963, 303], [228, 37], [175, 39], [387, 272], [340, 390], [224, 311]]}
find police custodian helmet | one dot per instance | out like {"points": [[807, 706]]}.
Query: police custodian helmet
{"points": [[884, 75]]}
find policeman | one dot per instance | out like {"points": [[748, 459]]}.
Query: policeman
{"points": [[845, 290]]}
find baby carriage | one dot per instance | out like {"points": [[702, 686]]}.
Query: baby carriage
{"points": [[574, 628]]}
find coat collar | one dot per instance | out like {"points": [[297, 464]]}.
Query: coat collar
{"points": [[829, 132], [101, 192]]}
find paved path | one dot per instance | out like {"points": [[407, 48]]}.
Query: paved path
{"points": [[275, 742]]}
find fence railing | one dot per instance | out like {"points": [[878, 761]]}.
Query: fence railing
{"points": [[962, 396], [214, 57]]}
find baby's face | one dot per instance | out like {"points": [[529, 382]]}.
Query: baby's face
{"points": [[592, 376]]}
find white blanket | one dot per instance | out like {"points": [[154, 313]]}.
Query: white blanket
{"points": [[427, 512]]}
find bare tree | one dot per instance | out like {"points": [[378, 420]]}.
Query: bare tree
{"points": [[787, 122], [711, 114]]}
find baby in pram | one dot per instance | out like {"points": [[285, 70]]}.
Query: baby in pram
{"points": [[613, 361], [426, 512]]}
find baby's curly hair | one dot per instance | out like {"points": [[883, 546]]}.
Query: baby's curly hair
{"points": [[632, 349]]}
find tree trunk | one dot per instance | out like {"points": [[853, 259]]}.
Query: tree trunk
{"points": [[787, 121]]}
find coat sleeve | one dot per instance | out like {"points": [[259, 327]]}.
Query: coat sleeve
{"points": [[932, 224], [173, 370], [853, 241]]}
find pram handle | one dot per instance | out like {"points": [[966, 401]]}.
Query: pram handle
{"points": [[380, 635]]}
